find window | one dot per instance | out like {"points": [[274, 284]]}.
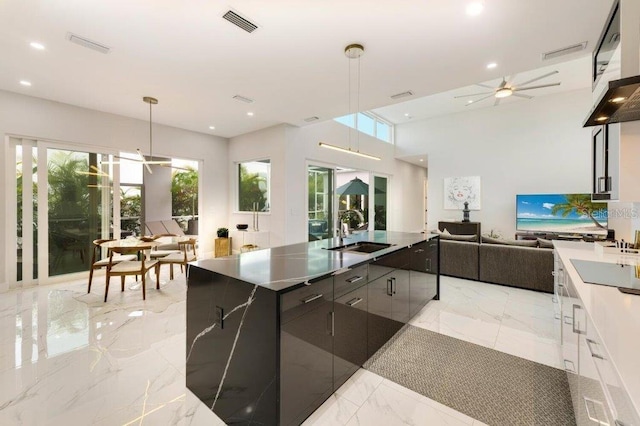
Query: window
{"points": [[254, 186], [370, 124]]}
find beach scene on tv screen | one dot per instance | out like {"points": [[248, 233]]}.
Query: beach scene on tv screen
{"points": [[563, 213]]}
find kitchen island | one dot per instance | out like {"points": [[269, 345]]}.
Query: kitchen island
{"points": [[271, 334]]}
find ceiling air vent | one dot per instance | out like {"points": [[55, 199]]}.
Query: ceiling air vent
{"points": [[85, 42], [564, 51], [402, 95], [310, 119], [243, 99], [239, 21]]}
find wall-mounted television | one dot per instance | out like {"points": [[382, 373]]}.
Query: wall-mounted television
{"points": [[560, 213]]}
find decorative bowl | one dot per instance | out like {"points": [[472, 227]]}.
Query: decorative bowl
{"points": [[242, 226]]}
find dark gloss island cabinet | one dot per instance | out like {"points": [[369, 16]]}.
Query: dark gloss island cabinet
{"points": [[272, 347]]}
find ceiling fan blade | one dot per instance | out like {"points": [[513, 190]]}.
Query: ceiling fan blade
{"points": [[538, 78], [511, 79], [520, 95], [497, 102], [472, 94], [485, 86], [518, 89], [478, 100], [503, 84]]}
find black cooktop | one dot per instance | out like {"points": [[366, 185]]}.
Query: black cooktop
{"points": [[622, 275]]}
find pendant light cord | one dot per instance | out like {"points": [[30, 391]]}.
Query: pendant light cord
{"points": [[350, 111], [358, 106], [150, 133]]}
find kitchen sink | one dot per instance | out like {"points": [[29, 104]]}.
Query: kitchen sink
{"points": [[364, 247]]}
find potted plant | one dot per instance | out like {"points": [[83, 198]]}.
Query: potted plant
{"points": [[223, 233]]}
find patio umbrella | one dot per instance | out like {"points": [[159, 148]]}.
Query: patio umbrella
{"points": [[353, 187]]}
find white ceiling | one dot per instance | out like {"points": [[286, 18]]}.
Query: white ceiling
{"points": [[193, 61]]}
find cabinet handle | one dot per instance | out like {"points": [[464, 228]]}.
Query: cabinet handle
{"points": [[331, 324], [354, 302], [389, 287], [576, 323], [590, 405], [568, 320], [571, 368], [593, 353], [311, 298], [354, 279], [393, 285], [604, 184]]}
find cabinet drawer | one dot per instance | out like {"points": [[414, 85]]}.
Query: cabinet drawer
{"points": [[302, 300], [350, 280]]}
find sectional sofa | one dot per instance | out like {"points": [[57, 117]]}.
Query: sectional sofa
{"points": [[523, 264]]}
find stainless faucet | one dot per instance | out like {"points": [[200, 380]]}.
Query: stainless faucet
{"points": [[341, 232]]}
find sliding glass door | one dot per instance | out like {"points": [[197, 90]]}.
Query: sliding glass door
{"points": [[61, 202], [320, 206]]}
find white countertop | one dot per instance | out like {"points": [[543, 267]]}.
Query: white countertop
{"points": [[615, 315]]}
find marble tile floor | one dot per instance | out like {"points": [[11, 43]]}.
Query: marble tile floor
{"points": [[67, 358]]}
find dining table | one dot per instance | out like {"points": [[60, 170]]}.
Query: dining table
{"points": [[148, 242]]}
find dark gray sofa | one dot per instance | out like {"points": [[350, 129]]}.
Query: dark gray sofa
{"points": [[512, 265]]}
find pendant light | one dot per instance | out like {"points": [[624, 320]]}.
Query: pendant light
{"points": [[352, 51], [151, 101]]}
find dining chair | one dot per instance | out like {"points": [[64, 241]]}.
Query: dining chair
{"points": [[97, 263], [131, 267], [187, 254], [163, 250]]}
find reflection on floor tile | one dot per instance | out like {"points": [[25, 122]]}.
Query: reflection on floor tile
{"points": [[66, 357]]}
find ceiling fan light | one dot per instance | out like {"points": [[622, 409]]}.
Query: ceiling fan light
{"points": [[505, 92]]}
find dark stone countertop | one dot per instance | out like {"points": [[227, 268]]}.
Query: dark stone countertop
{"points": [[280, 268]]}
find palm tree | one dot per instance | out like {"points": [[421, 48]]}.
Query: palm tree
{"points": [[251, 190], [581, 204]]}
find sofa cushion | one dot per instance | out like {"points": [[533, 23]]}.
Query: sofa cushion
{"points": [[545, 243], [523, 267], [522, 243], [459, 259], [470, 238]]}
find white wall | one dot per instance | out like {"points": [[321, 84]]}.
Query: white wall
{"points": [[41, 119], [291, 149], [534, 146], [406, 207]]}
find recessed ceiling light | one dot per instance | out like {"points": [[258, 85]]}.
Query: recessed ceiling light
{"points": [[250, 114], [475, 8], [602, 118], [406, 114], [36, 45], [618, 99], [491, 65], [212, 127], [25, 83], [421, 160], [469, 102]]}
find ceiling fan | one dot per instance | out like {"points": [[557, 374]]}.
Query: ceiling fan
{"points": [[506, 89]]}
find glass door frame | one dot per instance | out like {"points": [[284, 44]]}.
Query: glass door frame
{"points": [[42, 215], [335, 204]]}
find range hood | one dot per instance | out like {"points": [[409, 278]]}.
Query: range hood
{"points": [[621, 102]]}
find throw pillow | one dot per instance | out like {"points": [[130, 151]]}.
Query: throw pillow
{"points": [[542, 243], [523, 243], [453, 237]]}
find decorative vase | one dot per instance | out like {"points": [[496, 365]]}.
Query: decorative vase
{"points": [[465, 212]]}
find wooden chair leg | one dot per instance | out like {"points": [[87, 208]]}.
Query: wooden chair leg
{"points": [[144, 287], [122, 278], [171, 271], [106, 287], [158, 276], [90, 279]]}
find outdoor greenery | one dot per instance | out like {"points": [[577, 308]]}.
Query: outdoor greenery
{"points": [[252, 189], [184, 192], [581, 204]]}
